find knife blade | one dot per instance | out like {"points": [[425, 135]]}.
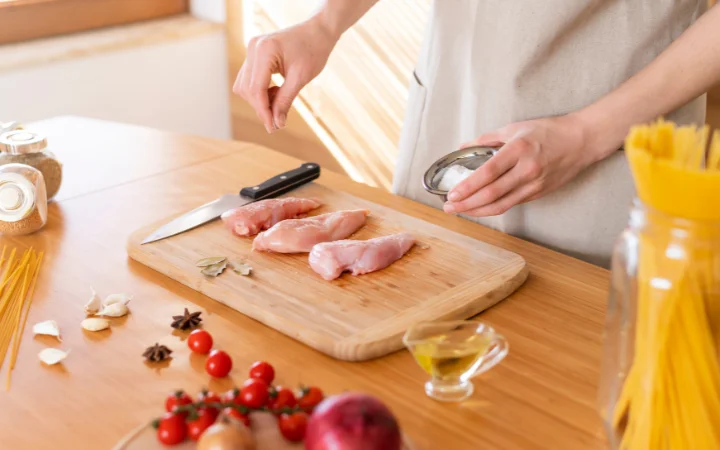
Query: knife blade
{"points": [[273, 187]]}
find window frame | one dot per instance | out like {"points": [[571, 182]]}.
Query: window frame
{"points": [[23, 20]]}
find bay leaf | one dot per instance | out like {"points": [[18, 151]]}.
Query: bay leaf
{"points": [[242, 268], [206, 262], [215, 269]]}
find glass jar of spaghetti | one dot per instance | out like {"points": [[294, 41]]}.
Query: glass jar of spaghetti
{"points": [[23, 199], [660, 385]]}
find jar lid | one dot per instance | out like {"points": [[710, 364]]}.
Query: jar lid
{"points": [[22, 141], [17, 197]]}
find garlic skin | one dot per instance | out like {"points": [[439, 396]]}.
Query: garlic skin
{"points": [[95, 324], [52, 356], [117, 298], [48, 328], [94, 304], [114, 310]]}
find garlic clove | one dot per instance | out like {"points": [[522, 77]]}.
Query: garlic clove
{"points": [[114, 310], [94, 305], [49, 328], [52, 356], [95, 324], [117, 298]]}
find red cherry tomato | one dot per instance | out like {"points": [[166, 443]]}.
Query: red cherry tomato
{"points": [[232, 396], [218, 364], [262, 371], [205, 418], [293, 426], [309, 398], [234, 413], [254, 393], [175, 399], [280, 398], [171, 429], [206, 396], [200, 341]]}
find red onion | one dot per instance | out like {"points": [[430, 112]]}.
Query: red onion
{"points": [[352, 421]]}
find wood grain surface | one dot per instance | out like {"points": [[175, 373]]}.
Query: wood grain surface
{"points": [[542, 396], [447, 275]]}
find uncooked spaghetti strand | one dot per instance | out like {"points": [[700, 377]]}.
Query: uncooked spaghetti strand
{"points": [[36, 272], [16, 324]]}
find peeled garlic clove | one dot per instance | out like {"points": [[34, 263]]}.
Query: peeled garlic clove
{"points": [[114, 310], [95, 324], [52, 356], [94, 305], [49, 328], [117, 298]]}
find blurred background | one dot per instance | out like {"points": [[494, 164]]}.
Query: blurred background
{"points": [[170, 64]]}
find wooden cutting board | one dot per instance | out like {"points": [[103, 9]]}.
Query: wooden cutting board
{"points": [[446, 276]]}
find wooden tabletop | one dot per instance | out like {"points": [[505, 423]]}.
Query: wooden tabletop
{"points": [[120, 178]]}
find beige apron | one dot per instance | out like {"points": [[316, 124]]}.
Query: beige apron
{"points": [[487, 63]]}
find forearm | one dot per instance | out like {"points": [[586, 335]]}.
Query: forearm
{"points": [[336, 16], [686, 69]]}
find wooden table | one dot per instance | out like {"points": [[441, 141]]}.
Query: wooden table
{"points": [[119, 178]]}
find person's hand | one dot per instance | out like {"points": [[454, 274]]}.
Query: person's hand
{"points": [[536, 157], [298, 53]]}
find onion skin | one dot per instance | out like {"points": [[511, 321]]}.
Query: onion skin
{"points": [[226, 434], [352, 421]]}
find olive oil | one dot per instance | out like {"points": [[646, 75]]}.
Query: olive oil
{"points": [[444, 358], [452, 353]]}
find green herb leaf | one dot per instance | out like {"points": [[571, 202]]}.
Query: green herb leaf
{"points": [[213, 260], [241, 268], [215, 269]]}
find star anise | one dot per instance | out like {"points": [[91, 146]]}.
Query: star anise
{"points": [[157, 353], [187, 321]]}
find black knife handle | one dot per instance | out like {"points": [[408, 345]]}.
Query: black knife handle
{"points": [[285, 182]]}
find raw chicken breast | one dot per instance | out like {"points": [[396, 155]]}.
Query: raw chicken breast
{"points": [[300, 235], [331, 259], [255, 217]]}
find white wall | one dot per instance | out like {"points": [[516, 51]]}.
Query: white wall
{"points": [[179, 85]]}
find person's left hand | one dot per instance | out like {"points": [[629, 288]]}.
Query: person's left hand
{"points": [[536, 157]]}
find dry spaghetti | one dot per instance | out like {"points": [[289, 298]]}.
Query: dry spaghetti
{"points": [[17, 286], [670, 398]]}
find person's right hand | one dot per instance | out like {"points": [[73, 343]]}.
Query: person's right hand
{"points": [[298, 53]]}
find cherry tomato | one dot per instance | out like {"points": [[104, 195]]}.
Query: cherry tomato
{"points": [[232, 396], [262, 371], [218, 364], [206, 396], [280, 398], [200, 341], [254, 393], [234, 413], [171, 429], [205, 418], [309, 398], [175, 399], [293, 426]]}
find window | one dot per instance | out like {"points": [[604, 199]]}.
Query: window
{"points": [[21, 20]]}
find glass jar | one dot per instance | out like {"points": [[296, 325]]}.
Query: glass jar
{"points": [[660, 385], [31, 148], [23, 200]]}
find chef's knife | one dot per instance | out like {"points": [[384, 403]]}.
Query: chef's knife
{"points": [[275, 186]]}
